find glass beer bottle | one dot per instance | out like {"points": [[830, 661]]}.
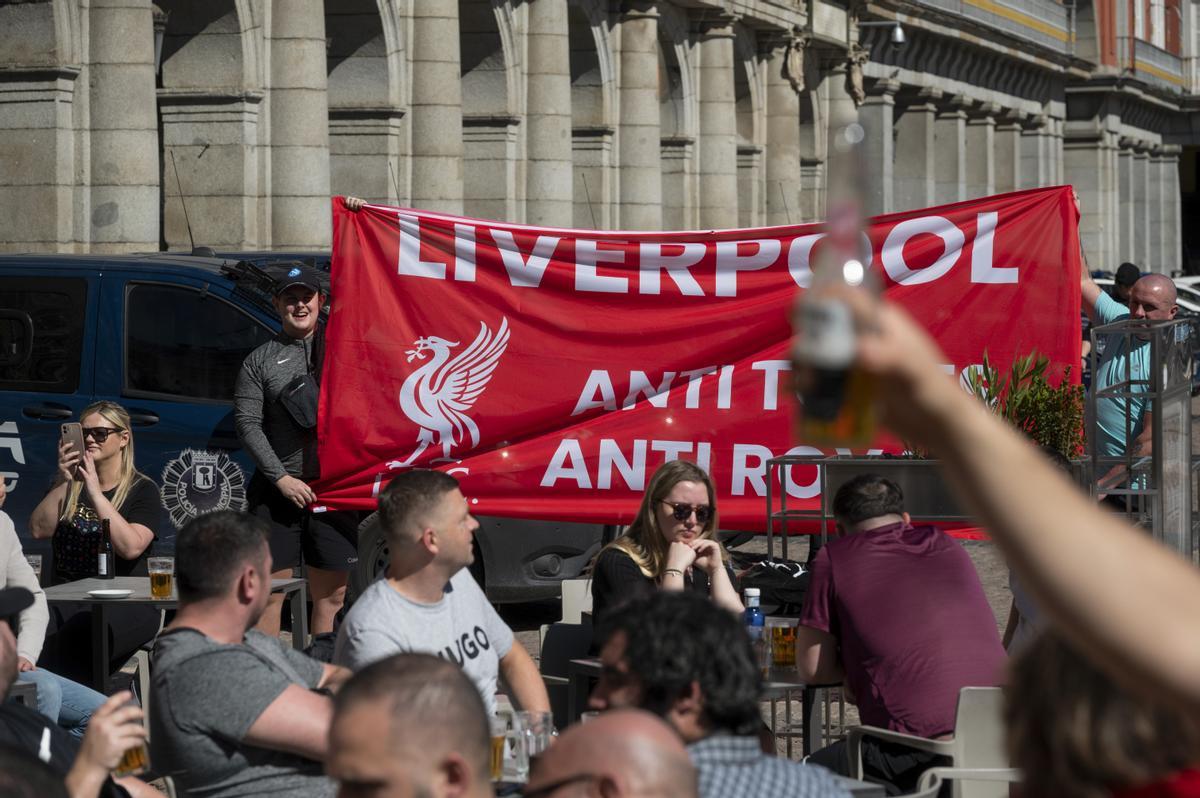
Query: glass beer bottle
{"points": [[105, 559], [836, 399]]}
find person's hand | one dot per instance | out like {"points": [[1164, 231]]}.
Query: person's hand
{"points": [[296, 491], [68, 461], [91, 479], [354, 203], [708, 555], [24, 665], [680, 555], [114, 728]]}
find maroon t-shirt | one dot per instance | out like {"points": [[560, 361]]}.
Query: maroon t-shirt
{"points": [[912, 623]]}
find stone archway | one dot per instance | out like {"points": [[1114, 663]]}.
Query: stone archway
{"points": [[489, 102], [592, 127], [365, 59], [748, 90], [209, 102], [678, 123]]}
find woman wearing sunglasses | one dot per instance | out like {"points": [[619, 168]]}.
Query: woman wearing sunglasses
{"points": [[671, 544], [91, 486]]}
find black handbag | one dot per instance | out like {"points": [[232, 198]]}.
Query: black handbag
{"points": [[300, 396]]}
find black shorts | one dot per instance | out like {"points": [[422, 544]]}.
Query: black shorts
{"points": [[328, 541]]}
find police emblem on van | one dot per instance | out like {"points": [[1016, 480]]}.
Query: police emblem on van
{"points": [[199, 482]]}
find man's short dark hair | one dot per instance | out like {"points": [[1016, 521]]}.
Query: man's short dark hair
{"points": [[23, 775], [1127, 275], [211, 549], [673, 640], [432, 702], [410, 497], [867, 496]]}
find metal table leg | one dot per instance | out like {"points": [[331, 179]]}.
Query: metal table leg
{"points": [[298, 604], [810, 708], [100, 648]]}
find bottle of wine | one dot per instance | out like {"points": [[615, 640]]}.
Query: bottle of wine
{"points": [[106, 560]]}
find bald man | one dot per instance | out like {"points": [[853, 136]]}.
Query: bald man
{"points": [[625, 753], [410, 724], [1152, 298]]}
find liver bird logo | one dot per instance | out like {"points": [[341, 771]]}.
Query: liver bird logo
{"points": [[437, 396]]}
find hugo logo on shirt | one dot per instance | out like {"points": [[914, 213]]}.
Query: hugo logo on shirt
{"points": [[469, 645]]}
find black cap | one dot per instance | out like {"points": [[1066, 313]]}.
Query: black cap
{"points": [[298, 274], [1127, 275], [13, 601]]}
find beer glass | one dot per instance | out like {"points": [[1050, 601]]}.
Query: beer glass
{"points": [[35, 562], [162, 574], [782, 634], [499, 730], [134, 762]]}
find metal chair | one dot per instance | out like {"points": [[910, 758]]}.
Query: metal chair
{"points": [[977, 744], [932, 780], [561, 643]]}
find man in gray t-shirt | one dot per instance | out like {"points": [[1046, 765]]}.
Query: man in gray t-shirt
{"points": [[234, 712], [428, 602]]}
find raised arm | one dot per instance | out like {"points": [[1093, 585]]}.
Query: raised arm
{"points": [[1067, 551]]}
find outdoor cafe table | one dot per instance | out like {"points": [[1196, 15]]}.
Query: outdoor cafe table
{"points": [[77, 593]]}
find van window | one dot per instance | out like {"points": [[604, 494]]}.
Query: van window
{"points": [[41, 333], [185, 343]]}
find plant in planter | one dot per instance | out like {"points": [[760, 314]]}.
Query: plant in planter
{"points": [[1051, 415]]}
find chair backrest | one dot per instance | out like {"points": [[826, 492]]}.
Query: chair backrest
{"points": [[979, 739], [576, 599], [563, 643]]}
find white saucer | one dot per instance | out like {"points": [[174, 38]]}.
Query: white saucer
{"points": [[110, 594]]}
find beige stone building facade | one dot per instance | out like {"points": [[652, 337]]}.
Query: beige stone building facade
{"points": [[122, 122]]}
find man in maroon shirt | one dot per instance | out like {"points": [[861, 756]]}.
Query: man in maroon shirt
{"points": [[897, 613]]}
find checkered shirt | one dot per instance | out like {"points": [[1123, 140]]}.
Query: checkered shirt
{"points": [[735, 767]]}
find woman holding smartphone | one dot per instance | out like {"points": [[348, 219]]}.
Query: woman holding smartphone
{"points": [[671, 544], [97, 484]]}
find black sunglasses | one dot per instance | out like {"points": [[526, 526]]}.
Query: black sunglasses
{"points": [[682, 512], [555, 786], [100, 434]]}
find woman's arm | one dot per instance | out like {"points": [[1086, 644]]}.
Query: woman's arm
{"points": [[721, 590], [44, 519], [129, 539]]}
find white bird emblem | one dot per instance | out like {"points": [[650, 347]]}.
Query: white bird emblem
{"points": [[437, 395]]}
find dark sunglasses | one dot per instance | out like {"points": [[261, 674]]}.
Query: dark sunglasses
{"points": [[682, 512], [100, 434]]}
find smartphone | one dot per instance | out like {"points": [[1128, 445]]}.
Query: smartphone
{"points": [[73, 434]]}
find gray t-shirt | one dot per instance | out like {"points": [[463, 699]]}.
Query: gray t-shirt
{"points": [[462, 627], [206, 695]]}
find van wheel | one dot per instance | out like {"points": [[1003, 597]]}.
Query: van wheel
{"points": [[372, 558]]}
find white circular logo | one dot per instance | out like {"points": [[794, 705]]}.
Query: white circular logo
{"points": [[199, 482]]}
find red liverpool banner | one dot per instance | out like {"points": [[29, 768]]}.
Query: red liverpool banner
{"points": [[552, 371]]}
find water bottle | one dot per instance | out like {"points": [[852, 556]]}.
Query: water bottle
{"points": [[755, 626]]}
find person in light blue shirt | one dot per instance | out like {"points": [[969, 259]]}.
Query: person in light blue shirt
{"points": [[1123, 423]]}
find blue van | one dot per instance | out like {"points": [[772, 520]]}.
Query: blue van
{"points": [[165, 335]]}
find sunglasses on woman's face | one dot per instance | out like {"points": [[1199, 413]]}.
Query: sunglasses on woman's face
{"points": [[682, 512], [100, 434]]}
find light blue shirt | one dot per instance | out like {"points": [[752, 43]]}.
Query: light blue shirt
{"points": [[1111, 418]]}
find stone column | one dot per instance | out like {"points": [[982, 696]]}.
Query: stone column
{"points": [[1008, 153], [785, 79], [980, 150], [950, 139], [549, 170], [1159, 221], [1089, 163], [299, 113], [718, 126], [1172, 230], [640, 131], [876, 116], [1125, 206], [1034, 173], [123, 128], [1141, 207], [436, 110], [37, 146], [915, 169]]}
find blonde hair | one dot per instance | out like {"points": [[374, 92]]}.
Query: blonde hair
{"points": [[118, 417], [644, 541]]}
